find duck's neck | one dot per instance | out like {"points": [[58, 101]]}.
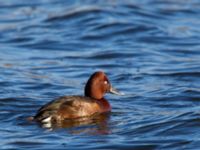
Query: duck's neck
{"points": [[105, 105]]}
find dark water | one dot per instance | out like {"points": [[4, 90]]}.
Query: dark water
{"points": [[150, 50]]}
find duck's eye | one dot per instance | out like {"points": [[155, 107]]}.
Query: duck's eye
{"points": [[105, 82]]}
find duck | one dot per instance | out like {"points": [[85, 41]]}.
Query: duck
{"points": [[76, 106]]}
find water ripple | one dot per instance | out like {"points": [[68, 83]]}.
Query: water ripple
{"points": [[149, 49]]}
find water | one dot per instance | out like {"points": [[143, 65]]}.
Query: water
{"points": [[149, 49]]}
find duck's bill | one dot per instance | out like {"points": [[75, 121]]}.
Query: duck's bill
{"points": [[115, 91]]}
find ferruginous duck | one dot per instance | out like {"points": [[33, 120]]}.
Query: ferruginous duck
{"points": [[73, 107]]}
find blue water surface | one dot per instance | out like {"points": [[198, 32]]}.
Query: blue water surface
{"points": [[150, 50]]}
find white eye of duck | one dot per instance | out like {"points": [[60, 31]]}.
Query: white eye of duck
{"points": [[105, 82]]}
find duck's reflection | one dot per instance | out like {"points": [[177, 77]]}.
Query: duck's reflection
{"points": [[96, 124]]}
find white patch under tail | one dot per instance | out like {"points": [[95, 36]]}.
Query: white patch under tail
{"points": [[46, 123]]}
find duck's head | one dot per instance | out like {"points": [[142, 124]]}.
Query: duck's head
{"points": [[97, 85]]}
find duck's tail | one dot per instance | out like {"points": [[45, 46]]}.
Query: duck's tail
{"points": [[31, 118]]}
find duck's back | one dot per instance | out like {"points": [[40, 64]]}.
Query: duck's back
{"points": [[68, 107]]}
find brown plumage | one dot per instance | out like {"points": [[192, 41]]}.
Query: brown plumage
{"points": [[71, 107]]}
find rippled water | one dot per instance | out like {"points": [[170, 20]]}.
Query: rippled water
{"points": [[150, 50]]}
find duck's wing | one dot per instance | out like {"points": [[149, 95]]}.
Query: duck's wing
{"points": [[67, 107], [78, 107]]}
